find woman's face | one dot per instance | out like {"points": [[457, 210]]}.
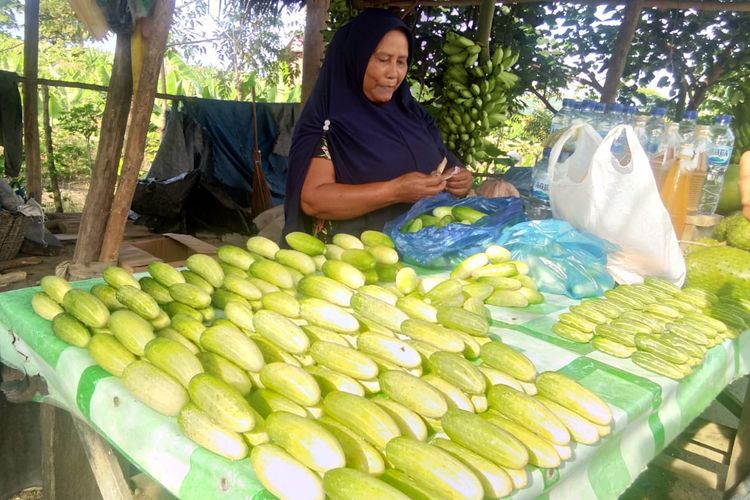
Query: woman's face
{"points": [[387, 67]]}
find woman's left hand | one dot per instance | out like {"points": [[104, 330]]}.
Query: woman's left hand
{"points": [[460, 183]]}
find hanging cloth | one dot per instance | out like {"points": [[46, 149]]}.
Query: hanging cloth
{"points": [[11, 123]]}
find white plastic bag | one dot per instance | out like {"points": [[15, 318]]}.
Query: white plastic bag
{"points": [[619, 203]]}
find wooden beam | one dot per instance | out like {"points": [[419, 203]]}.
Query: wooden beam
{"points": [[104, 174], [316, 17], [712, 6], [623, 42], [101, 88], [30, 96], [155, 41]]}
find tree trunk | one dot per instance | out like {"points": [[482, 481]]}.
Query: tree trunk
{"points": [[104, 174], [164, 102], [50, 151], [316, 17], [30, 96], [143, 104], [624, 40]]}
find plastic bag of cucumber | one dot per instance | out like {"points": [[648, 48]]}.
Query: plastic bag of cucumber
{"points": [[561, 259], [440, 231]]}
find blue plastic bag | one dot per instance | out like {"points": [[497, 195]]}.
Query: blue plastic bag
{"points": [[444, 247], [561, 259]]}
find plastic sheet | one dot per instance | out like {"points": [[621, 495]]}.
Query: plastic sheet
{"points": [[561, 259], [444, 247]]}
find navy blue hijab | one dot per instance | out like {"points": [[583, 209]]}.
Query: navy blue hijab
{"points": [[368, 142]]}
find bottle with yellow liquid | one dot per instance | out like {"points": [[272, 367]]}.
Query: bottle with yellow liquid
{"points": [[698, 176], [675, 190]]}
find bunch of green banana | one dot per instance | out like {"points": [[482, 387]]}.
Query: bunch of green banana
{"points": [[475, 94]]}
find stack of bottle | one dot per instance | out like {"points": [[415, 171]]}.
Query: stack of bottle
{"points": [[688, 160]]}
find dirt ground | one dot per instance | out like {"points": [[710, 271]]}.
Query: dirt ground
{"points": [[73, 196]]}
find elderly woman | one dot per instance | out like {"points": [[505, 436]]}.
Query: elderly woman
{"points": [[363, 149]]}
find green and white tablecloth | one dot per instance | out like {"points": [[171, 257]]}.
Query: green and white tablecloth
{"points": [[649, 410]]}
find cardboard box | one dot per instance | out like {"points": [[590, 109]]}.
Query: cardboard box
{"points": [[171, 248]]}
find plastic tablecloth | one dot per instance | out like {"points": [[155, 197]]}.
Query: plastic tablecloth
{"points": [[649, 410]]}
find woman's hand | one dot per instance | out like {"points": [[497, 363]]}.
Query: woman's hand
{"points": [[460, 183], [412, 187]]}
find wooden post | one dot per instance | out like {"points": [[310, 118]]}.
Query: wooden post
{"points": [[30, 96], [104, 174], [739, 463], [154, 31], [624, 40], [316, 17], [53, 180], [76, 461]]}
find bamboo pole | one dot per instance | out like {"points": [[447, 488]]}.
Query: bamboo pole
{"points": [[155, 41], [104, 174], [30, 96]]}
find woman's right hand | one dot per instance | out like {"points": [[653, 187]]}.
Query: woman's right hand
{"points": [[412, 187]]}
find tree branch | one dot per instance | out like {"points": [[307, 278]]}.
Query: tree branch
{"points": [[718, 69], [544, 100]]}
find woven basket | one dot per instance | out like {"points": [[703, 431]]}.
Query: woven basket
{"points": [[12, 230]]}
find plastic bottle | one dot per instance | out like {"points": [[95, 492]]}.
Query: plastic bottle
{"points": [[537, 206], [613, 118], [638, 122], [676, 187], [702, 143], [586, 113], [631, 114], [598, 117], [719, 154], [654, 130], [666, 153], [687, 125], [563, 117]]}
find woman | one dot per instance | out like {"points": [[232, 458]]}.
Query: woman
{"points": [[364, 149]]}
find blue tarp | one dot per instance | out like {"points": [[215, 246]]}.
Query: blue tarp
{"points": [[203, 171]]}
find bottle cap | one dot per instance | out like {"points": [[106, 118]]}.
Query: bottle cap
{"points": [[690, 114], [659, 111], [724, 119]]}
